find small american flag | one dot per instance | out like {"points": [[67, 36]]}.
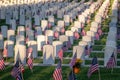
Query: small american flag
{"points": [[94, 67], [49, 25], [86, 50], [83, 32], [71, 76], [19, 77], [99, 32], [30, 50], [72, 62], [2, 64], [35, 33], [112, 62], [26, 39], [27, 28], [5, 52], [99, 25], [65, 48], [57, 74], [90, 49], [97, 36], [62, 30], [69, 44], [60, 54], [82, 25], [118, 36], [30, 63], [22, 68], [76, 35], [56, 34], [88, 20], [16, 71]]}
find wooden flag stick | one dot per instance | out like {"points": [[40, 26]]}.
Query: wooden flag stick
{"points": [[112, 70], [22, 76], [6, 59], [32, 70], [99, 74]]}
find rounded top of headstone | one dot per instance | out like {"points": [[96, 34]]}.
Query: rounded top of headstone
{"points": [[83, 43]]}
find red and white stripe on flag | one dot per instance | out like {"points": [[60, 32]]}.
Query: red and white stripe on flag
{"points": [[5, 52], [57, 74], [2, 64], [56, 34], [92, 69], [112, 62], [76, 35], [60, 54], [30, 63]]}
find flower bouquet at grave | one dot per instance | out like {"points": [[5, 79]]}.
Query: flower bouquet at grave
{"points": [[77, 66]]}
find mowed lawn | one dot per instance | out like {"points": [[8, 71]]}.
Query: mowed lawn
{"points": [[45, 73]]}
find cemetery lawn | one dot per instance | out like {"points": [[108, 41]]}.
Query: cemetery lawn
{"points": [[45, 73]]}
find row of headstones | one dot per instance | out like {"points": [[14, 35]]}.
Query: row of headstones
{"points": [[36, 11], [111, 44], [84, 17], [88, 40], [27, 1]]}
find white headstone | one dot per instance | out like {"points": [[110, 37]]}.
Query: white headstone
{"points": [[44, 24], [11, 35], [1, 42], [37, 20], [10, 47], [30, 34], [20, 40], [40, 42], [20, 53], [13, 24], [63, 38], [73, 29], [28, 23], [49, 35], [67, 20], [57, 46], [48, 54], [4, 31], [33, 44], [22, 17], [80, 52], [51, 20], [70, 35], [21, 30], [60, 23]]}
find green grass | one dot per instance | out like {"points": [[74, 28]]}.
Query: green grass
{"points": [[99, 55], [67, 54], [45, 73], [101, 42], [88, 62], [97, 48]]}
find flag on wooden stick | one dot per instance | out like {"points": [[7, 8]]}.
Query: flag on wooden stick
{"points": [[60, 54], [57, 75], [112, 62], [94, 67], [72, 62], [2, 64]]}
